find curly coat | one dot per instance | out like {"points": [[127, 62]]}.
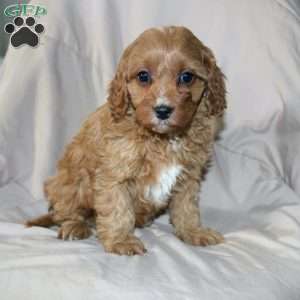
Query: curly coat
{"points": [[125, 167]]}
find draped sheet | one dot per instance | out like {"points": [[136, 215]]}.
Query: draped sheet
{"points": [[251, 193]]}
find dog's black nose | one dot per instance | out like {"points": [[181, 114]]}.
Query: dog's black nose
{"points": [[163, 112]]}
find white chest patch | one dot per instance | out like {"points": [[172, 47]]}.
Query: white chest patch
{"points": [[160, 192]]}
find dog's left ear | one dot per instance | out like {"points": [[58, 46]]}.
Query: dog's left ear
{"points": [[215, 95], [118, 96]]}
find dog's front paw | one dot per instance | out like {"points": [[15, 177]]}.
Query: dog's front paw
{"points": [[130, 246], [74, 230], [201, 237]]}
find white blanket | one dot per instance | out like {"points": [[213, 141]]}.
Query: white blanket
{"points": [[251, 194]]}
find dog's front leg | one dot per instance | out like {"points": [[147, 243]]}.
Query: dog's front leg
{"points": [[185, 216], [115, 221]]}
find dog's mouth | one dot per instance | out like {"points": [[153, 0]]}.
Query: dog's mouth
{"points": [[161, 126], [161, 119], [164, 127]]}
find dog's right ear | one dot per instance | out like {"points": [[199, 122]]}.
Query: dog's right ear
{"points": [[118, 97]]}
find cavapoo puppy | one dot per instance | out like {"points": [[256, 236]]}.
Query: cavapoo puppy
{"points": [[145, 150]]}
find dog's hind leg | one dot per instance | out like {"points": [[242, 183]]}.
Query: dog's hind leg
{"points": [[70, 198], [75, 225], [72, 227]]}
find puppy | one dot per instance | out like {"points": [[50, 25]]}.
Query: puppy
{"points": [[144, 150]]}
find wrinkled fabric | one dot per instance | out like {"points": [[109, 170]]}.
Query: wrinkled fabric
{"points": [[251, 193]]}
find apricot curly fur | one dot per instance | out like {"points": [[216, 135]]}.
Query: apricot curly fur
{"points": [[111, 170]]}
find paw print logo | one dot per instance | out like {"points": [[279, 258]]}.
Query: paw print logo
{"points": [[24, 32]]}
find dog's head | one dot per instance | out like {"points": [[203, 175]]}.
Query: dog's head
{"points": [[163, 76]]}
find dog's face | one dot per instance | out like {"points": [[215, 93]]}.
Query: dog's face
{"points": [[163, 76]]}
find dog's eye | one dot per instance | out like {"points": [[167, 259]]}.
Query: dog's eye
{"points": [[144, 77], [186, 78]]}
